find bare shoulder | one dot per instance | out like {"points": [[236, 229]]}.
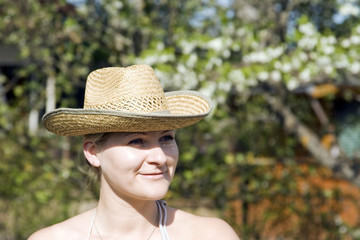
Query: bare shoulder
{"points": [[74, 228], [199, 227], [215, 228]]}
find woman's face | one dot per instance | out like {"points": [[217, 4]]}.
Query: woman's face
{"points": [[138, 165]]}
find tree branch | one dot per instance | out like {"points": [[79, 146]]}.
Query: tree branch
{"points": [[341, 166]]}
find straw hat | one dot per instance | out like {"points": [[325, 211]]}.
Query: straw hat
{"points": [[128, 100]]}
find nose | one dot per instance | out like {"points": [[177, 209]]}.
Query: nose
{"points": [[156, 156]]}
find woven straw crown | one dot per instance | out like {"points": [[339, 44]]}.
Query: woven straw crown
{"points": [[128, 100]]}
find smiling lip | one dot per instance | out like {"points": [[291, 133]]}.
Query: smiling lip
{"points": [[154, 175]]}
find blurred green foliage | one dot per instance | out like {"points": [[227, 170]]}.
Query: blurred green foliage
{"points": [[242, 157]]}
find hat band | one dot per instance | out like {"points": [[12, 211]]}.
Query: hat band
{"points": [[165, 112]]}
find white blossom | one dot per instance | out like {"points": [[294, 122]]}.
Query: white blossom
{"points": [[307, 29], [187, 47], [215, 44], [263, 76], [214, 61], [275, 76], [332, 40], [286, 67], [355, 39], [277, 65], [83, 9], [355, 67], [323, 61], [329, 69], [296, 63], [160, 46], [313, 55], [328, 49], [190, 80], [201, 77], [260, 57], [323, 41], [236, 76], [305, 75], [241, 32], [191, 62], [251, 82], [164, 77], [229, 29], [338, 220], [349, 9], [356, 233], [221, 99], [275, 52], [345, 43], [176, 77], [353, 53], [254, 44], [228, 42], [226, 53], [240, 87], [209, 88], [148, 60], [184, 78], [307, 43], [181, 69], [264, 56], [111, 10], [343, 229], [303, 56], [153, 59], [236, 47], [292, 84], [225, 86], [166, 57], [342, 62], [329, 40], [118, 4]]}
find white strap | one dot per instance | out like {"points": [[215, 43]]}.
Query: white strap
{"points": [[92, 224], [163, 216]]}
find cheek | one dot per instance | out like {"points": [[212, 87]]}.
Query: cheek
{"points": [[119, 160], [174, 156], [173, 153]]}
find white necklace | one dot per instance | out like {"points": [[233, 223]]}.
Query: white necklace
{"points": [[155, 226]]}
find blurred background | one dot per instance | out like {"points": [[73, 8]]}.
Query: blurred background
{"points": [[279, 156]]}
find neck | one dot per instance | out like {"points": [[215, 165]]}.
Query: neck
{"points": [[120, 216]]}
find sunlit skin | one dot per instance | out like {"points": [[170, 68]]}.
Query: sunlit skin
{"points": [[136, 165], [136, 170]]}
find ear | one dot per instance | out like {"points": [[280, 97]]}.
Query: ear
{"points": [[90, 153]]}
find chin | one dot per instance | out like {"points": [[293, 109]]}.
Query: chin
{"points": [[155, 194], [155, 189]]}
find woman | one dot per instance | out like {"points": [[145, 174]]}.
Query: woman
{"points": [[128, 123]]}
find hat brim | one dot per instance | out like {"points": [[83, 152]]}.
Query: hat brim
{"points": [[186, 108]]}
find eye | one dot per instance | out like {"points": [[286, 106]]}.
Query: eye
{"points": [[136, 141], [167, 138]]}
